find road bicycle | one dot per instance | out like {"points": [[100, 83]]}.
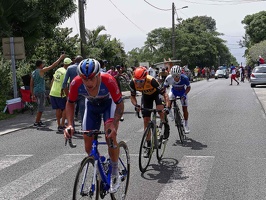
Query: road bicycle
{"points": [[154, 134], [179, 120], [94, 173]]}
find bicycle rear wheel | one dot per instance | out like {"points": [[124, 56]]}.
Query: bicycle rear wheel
{"points": [[161, 142], [179, 125], [84, 187], [124, 171], [145, 152]]}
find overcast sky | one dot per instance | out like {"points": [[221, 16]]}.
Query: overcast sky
{"points": [[131, 20]]}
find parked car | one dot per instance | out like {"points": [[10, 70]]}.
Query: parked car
{"points": [[221, 73], [223, 67], [258, 76]]}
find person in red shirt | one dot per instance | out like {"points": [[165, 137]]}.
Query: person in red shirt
{"points": [[103, 100], [261, 60]]}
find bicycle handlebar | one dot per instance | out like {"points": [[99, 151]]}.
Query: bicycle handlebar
{"points": [[147, 109], [179, 98], [70, 141], [90, 134]]}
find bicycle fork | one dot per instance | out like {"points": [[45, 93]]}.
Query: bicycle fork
{"points": [[92, 188]]}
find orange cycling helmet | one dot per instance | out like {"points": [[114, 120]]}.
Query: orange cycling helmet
{"points": [[140, 72]]}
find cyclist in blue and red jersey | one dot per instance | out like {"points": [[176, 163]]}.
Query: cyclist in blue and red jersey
{"points": [[180, 88], [103, 98]]}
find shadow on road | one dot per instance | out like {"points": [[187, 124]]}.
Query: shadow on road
{"points": [[166, 171], [189, 142]]}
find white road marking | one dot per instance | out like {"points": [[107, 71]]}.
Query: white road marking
{"points": [[189, 180], [9, 160], [140, 130], [47, 193], [28, 183]]}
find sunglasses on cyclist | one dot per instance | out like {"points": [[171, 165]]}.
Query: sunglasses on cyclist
{"points": [[139, 81], [176, 75]]}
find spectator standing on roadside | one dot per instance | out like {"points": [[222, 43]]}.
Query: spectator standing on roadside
{"points": [[103, 64], [261, 60], [57, 96], [212, 72], [248, 72], [37, 87], [233, 74], [242, 73], [116, 73], [152, 72], [71, 73], [112, 71], [196, 70], [162, 75], [203, 72]]}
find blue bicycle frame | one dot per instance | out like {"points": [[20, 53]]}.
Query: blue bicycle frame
{"points": [[105, 175]]}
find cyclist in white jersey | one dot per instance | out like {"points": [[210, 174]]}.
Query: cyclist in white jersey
{"points": [[180, 88]]}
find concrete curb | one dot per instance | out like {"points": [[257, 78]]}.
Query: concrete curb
{"points": [[26, 120]]}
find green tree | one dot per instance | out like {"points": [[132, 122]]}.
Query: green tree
{"points": [[255, 28], [49, 49], [101, 46], [258, 49], [33, 20], [196, 41]]}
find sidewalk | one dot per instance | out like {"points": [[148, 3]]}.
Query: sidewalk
{"points": [[22, 121]]}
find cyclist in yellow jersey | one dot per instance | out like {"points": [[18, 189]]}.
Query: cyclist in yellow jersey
{"points": [[151, 90]]}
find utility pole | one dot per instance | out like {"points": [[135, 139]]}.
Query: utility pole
{"points": [[81, 4], [173, 31]]}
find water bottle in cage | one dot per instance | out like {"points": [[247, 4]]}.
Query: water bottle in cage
{"points": [[105, 163]]}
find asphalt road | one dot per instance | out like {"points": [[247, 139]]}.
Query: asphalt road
{"points": [[223, 158]]}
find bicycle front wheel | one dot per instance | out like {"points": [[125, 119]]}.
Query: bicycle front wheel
{"points": [[145, 151], [162, 142], [179, 125], [124, 171], [84, 188]]}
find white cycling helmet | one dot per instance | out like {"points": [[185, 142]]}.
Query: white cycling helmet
{"points": [[175, 70]]}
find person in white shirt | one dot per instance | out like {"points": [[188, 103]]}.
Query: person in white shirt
{"points": [[152, 72]]}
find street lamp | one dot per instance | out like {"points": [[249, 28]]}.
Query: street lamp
{"points": [[173, 28]]}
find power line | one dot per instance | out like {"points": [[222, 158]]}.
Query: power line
{"points": [[128, 18], [157, 7], [224, 35], [223, 2]]}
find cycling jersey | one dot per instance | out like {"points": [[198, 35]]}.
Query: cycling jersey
{"points": [[178, 88], [103, 104], [150, 87], [108, 89], [150, 93]]}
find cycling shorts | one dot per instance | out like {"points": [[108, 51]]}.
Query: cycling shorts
{"points": [[147, 102], [172, 96], [95, 112]]}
